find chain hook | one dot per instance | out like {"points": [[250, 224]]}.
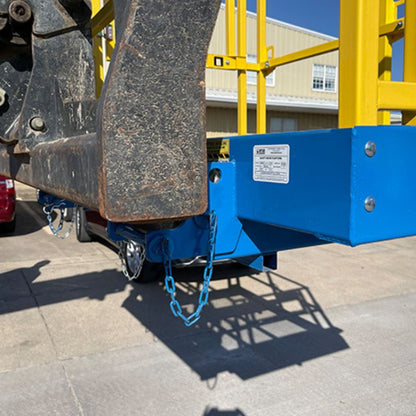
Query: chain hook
{"points": [[170, 281], [49, 209]]}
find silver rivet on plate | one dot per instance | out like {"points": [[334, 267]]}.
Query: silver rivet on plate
{"points": [[370, 149], [370, 204]]}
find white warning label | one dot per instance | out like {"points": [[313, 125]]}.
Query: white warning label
{"points": [[271, 163]]}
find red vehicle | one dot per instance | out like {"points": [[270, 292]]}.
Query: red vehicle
{"points": [[7, 205]]}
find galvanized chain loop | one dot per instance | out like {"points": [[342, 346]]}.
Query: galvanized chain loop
{"points": [[141, 250], [170, 281], [48, 210]]}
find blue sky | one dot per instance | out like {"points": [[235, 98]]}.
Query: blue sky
{"points": [[319, 15]]}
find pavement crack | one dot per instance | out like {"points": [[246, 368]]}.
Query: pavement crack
{"points": [[72, 390], [68, 380], [41, 315]]}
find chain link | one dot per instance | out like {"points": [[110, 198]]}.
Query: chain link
{"points": [[170, 281], [49, 209], [122, 254]]}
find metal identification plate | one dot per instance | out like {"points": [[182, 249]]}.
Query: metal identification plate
{"points": [[271, 163]]}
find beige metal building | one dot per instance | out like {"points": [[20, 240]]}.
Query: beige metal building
{"points": [[300, 96]]}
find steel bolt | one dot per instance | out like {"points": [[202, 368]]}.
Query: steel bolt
{"points": [[20, 11], [370, 204], [370, 149], [37, 124], [2, 97]]}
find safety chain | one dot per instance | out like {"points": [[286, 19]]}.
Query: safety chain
{"points": [[123, 254], [170, 281], [49, 209]]}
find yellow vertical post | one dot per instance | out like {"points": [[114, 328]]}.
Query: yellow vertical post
{"points": [[261, 58], [109, 45], [242, 74], [230, 26], [385, 52], [409, 66], [358, 61], [98, 53]]}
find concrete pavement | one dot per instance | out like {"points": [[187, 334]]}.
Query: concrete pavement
{"points": [[331, 333]]}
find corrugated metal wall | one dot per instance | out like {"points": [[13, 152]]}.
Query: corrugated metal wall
{"points": [[223, 121]]}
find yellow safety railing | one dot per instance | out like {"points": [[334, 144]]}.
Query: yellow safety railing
{"points": [[368, 29], [233, 61], [103, 32]]}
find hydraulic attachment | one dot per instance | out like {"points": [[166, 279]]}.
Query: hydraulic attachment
{"points": [[138, 154]]}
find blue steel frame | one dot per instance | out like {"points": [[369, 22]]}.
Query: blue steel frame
{"points": [[330, 177]]}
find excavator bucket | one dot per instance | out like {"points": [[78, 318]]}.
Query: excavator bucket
{"points": [[138, 154]]}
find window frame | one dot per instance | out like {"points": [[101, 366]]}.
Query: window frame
{"points": [[335, 90], [283, 119]]}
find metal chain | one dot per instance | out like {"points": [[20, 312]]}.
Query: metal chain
{"points": [[48, 210], [170, 281], [123, 259]]}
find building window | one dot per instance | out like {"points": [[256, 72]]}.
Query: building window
{"points": [[252, 76], [280, 125], [324, 78]]}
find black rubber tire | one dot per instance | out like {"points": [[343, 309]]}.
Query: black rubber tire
{"points": [[68, 213], [150, 272], [8, 227], [81, 226]]}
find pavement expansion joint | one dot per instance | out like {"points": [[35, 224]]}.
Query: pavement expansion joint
{"points": [[73, 393], [42, 316]]}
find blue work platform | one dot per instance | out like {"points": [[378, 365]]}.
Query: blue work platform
{"points": [[279, 191]]}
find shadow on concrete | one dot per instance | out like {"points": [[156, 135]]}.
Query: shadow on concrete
{"points": [[217, 412], [244, 332], [275, 323]]}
